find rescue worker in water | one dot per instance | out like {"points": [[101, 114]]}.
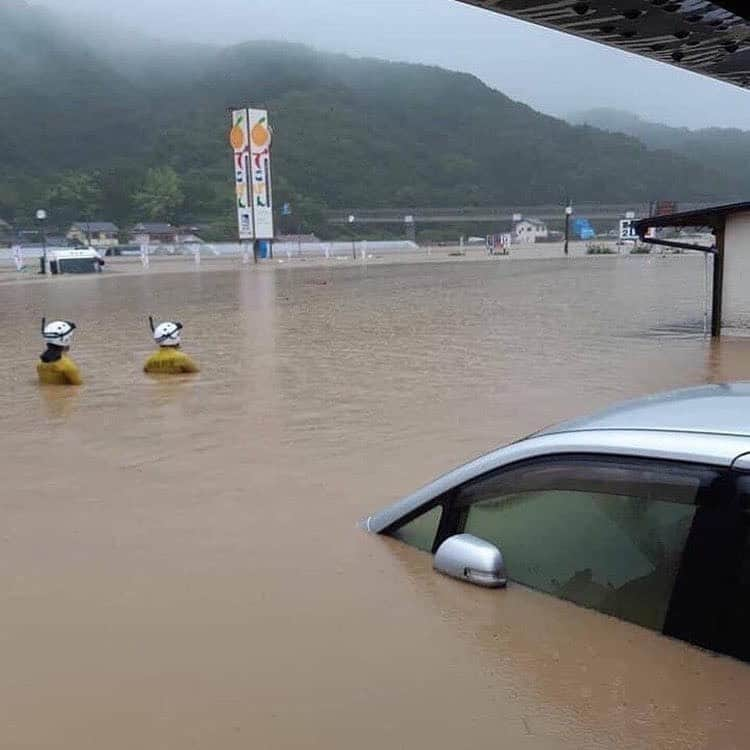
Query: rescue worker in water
{"points": [[168, 360], [56, 367]]}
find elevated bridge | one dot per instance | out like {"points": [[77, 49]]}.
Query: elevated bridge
{"points": [[491, 214]]}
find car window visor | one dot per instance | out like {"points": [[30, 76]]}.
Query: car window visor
{"points": [[672, 484]]}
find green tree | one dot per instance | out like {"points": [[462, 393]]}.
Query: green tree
{"points": [[10, 201], [310, 214], [205, 196], [161, 195], [118, 184], [74, 196]]}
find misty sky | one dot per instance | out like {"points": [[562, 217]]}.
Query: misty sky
{"points": [[550, 71]]}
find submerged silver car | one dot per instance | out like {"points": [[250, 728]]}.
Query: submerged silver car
{"points": [[640, 512]]}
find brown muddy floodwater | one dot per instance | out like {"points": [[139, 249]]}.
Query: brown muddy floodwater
{"points": [[179, 560]]}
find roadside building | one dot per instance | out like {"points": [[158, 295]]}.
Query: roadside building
{"points": [[529, 231], [98, 234], [155, 233], [723, 233], [188, 235]]}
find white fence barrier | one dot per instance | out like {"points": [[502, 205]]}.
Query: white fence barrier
{"points": [[359, 250], [346, 249]]}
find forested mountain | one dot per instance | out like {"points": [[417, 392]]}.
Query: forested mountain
{"points": [[88, 130], [726, 149]]}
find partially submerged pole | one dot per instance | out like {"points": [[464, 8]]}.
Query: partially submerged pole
{"points": [[568, 213], [705, 294], [718, 290], [145, 262], [41, 216]]}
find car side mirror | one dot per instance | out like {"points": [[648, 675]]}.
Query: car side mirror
{"points": [[471, 559]]}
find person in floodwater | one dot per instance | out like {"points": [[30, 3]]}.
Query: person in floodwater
{"points": [[56, 367], [168, 360]]}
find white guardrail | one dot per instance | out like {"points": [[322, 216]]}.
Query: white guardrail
{"points": [[346, 249]]}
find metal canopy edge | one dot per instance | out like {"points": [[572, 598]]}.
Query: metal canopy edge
{"points": [[709, 38]]}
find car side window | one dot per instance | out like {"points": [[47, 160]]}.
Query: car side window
{"points": [[604, 533], [421, 531]]}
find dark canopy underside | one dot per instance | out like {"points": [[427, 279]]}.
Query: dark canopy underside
{"points": [[712, 38], [713, 217]]}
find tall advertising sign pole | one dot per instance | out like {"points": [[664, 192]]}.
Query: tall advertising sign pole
{"points": [[250, 138], [239, 138], [260, 176]]}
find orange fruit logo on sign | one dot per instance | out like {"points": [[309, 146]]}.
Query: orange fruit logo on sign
{"points": [[260, 135], [237, 137]]}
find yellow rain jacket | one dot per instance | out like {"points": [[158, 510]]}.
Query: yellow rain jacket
{"points": [[63, 371], [169, 360]]}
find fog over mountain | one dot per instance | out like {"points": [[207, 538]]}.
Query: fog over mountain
{"points": [[552, 72]]}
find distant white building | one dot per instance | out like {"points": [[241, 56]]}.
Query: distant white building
{"points": [[529, 231]]}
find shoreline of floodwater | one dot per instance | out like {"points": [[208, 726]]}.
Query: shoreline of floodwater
{"points": [[159, 264]]}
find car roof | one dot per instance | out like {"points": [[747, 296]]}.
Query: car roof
{"points": [[707, 425], [712, 409]]}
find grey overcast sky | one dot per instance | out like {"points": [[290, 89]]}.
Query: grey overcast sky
{"points": [[552, 72]]}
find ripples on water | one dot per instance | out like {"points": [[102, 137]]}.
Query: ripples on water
{"points": [[180, 564]]}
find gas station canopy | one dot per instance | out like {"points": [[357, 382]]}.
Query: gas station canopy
{"points": [[711, 38]]}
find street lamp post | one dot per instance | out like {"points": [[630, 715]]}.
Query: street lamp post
{"points": [[568, 214], [354, 241], [41, 216]]}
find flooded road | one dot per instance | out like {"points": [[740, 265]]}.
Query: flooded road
{"points": [[179, 560]]}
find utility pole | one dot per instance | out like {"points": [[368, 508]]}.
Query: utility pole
{"points": [[568, 214]]}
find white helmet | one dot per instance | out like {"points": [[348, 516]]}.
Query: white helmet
{"points": [[58, 332], [167, 333]]}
